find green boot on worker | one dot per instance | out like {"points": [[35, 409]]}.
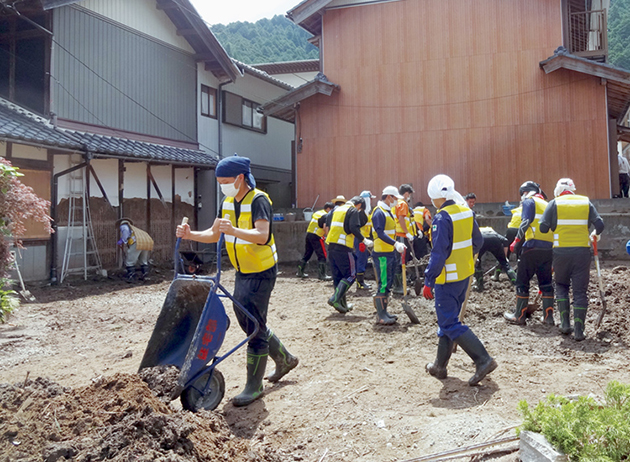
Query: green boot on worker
{"points": [[519, 316], [512, 276], [438, 367], [256, 363], [478, 284], [579, 318], [322, 267], [397, 286], [380, 303], [337, 301], [284, 360], [496, 277], [565, 316], [547, 304], [361, 284], [300, 270]]}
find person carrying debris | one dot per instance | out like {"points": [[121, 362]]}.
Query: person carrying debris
{"points": [[456, 238], [138, 245], [536, 255], [315, 234], [404, 231], [360, 251], [569, 216], [492, 242], [245, 219], [385, 248], [344, 223]]}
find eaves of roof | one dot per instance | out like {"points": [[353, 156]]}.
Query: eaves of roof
{"points": [[307, 15], [616, 78], [284, 107], [289, 67], [246, 68]]}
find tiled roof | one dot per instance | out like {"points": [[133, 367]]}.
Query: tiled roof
{"points": [[289, 67], [18, 124], [262, 75]]}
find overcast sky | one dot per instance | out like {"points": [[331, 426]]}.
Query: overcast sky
{"points": [[227, 11]]}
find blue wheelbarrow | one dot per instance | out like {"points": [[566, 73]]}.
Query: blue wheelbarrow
{"points": [[189, 333]]}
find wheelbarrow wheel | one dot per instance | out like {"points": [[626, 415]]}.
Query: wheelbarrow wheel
{"points": [[193, 400]]}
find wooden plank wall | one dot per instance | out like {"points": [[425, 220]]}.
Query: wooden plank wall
{"points": [[450, 86]]}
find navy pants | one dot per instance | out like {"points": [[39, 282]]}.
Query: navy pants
{"points": [[360, 258], [254, 294], [449, 299], [315, 244], [573, 268], [494, 245], [534, 261], [342, 265], [384, 267]]}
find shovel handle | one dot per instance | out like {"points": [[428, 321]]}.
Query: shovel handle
{"points": [[595, 247]]}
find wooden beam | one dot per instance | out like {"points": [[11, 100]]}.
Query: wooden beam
{"points": [[213, 66], [204, 57], [304, 11], [166, 6], [186, 32]]}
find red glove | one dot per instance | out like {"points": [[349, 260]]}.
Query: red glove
{"points": [[427, 293], [361, 247], [514, 244]]}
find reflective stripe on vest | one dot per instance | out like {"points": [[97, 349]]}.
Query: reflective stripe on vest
{"points": [[515, 222], [410, 229], [533, 232], [390, 231], [572, 223], [313, 226], [337, 234], [418, 216], [459, 265], [246, 256]]}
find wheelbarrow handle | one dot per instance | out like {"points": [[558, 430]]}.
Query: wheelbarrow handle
{"points": [[178, 259]]}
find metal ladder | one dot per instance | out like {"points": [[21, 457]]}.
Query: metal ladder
{"points": [[80, 237]]}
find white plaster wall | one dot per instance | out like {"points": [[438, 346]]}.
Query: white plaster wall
{"points": [[135, 180], [185, 185], [3, 149], [207, 128], [29, 152], [296, 79], [107, 172], [141, 15], [162, 176], [61, 163]]}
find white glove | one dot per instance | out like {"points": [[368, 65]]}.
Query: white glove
{"points": [[368, 243], [420, 234], [409, 237], [595, 237], [400, 247]]}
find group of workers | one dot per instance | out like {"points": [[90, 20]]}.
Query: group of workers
{"points": [[389, 232]]}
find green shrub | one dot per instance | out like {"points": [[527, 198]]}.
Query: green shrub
{"points": [[584, 429], [8, 300]]}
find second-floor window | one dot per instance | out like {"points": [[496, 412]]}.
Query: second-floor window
{"points": [[208, 102], [242, 112]]}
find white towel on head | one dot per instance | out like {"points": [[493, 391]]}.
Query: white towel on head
{"points": [[442, 186]]}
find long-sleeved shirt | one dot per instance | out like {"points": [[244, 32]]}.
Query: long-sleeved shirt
{"points": [[624, 165], [549, 221], [351, 223], [527, 218], [378, 224], [125, 234], [442, 234]]}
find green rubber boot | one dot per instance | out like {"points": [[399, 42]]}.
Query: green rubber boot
{"points": [[547, 303], [256, 363], [478, 284], [284, 360], [579, 317], [322, 267], [393, 316], [519, 316], [337, 299], [496, 277], [438, 367], [565, 321], [484, 364], [381, 310], [512, 276], [397, 286], [300, 270]]}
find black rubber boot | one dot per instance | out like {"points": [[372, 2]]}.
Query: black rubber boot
{"points": [[361, 284], [484, 364], [337, 299], [322, 267], [284, 360], [519, 316], [344, 302], [478, 284], [130, 276], [579, 317], [565, 321], [256, 363], [397, 286], [381, 310], [547, 304], [438, 368], [300, 270], [512, 276], [496, 277], [145, 272], [393, 316]]}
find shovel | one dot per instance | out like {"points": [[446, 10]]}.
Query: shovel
{"points": [[601, 287], [418, 283], [405, 305], [28, 296]]}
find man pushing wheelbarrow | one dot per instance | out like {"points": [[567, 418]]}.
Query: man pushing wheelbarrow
{"points": [[245, 219]]}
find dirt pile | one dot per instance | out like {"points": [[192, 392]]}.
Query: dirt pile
{"points": [[115, 418]]}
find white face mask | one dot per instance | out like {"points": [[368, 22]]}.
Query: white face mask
{"points": [[229, 189]]}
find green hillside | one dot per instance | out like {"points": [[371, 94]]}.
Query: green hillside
{"points": [[265, 41], [619, 33]]}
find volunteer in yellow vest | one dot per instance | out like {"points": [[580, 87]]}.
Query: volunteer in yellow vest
{"points": [[422, 219], [405, 232], [569, 217], [315, 234], [344, 224], [536, 256], [245, 219], [385, 247], [139, 246], [361, 253], [456, 238]]}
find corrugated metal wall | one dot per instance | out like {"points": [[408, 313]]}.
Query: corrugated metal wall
{"points": [[160, 79]]}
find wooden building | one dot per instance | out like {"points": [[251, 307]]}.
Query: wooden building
{"points": [[490, 92]]}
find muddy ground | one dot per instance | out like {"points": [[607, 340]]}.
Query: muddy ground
{"points": [[360, 391]]}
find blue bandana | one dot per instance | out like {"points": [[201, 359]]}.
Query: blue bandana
{"points": [[231, 167]]}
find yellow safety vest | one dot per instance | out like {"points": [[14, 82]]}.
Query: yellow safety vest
{"points": [[246, 256], [533, 232], [337, 234], [313, 226], [410, 229], [418, 216], [459, 265], [515, 222], [390, 229], [572, 225]]}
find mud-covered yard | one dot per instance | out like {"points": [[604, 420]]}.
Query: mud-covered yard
{"points": [[360, 391]]}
